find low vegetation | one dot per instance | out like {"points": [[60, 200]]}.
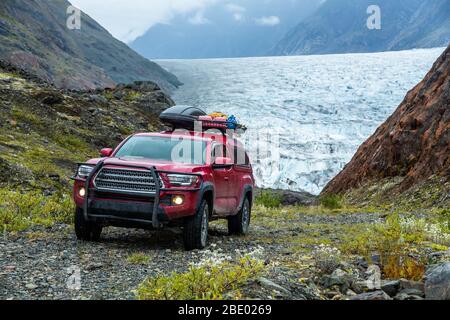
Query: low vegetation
{"points": [[431, 194], [205, 281], [331, 202], [400, 243], [268, 199], [139, 258], [21, 210]]}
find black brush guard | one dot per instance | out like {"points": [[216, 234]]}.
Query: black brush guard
{"points": [[155, 174]]}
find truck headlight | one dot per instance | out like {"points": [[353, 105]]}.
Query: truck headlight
{"points": [[182, 180], [82, 192], [84, 171], [177, 200]]}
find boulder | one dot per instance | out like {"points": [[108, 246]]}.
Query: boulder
{"points": [[412, 292], [343, 280], [391, 287], [270, 285], [290, 198], [404, 297], [437, 283], [408, 284], [375, 295]]}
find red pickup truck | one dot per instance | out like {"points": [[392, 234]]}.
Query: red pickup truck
{"points": [[140, 185]]}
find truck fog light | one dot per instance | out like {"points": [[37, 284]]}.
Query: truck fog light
{"points": [[82, 192], [178, 200]]}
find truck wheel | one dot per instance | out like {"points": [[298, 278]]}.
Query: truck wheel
{"points": [[86, 230], [240, 223], [196, 228]]}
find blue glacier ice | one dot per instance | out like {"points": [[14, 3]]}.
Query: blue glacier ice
{"points": [[325, 106]]}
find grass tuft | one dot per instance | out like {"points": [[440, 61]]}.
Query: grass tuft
{"points": [[138, 259], [332, 202], [268, 199]]}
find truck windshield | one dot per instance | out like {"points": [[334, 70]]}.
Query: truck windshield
{"points": [[186, 151]]}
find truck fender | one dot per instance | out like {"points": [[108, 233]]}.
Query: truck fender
{"points": [[247, 188], [205, 188]]}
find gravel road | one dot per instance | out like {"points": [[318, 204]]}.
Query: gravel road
{"points": [[45, 263]]}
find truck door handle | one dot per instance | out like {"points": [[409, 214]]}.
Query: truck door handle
{"points": [[227, 179]]}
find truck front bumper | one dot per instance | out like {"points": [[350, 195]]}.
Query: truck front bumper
{"points": [[119, 208]]}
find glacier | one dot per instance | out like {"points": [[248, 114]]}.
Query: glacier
{"points": [[315, 111]]}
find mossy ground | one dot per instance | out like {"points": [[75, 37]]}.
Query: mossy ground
{"points": [[431, 194], [45, 132]]}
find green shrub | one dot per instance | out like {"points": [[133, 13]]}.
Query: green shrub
{"points": [[269, 199], [20, 210], [138, 259], [393, 241], [332, 202], [208, 282]]}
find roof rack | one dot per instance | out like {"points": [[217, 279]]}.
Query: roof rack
{"points": [[185, 117]]}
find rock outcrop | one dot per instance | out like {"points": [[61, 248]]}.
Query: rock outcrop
{"points": [[413, 144], [339, 26]]}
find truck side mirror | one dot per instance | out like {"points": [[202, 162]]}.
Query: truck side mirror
{"points": [[106, 153]]}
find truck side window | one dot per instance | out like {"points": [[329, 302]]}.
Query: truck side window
{"points": [[240, 157], [218, 151]]}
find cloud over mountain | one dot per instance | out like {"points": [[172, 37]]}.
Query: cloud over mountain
{"points": [[127, 20]]}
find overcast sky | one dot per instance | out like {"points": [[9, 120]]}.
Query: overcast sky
{"points": [[129, 19]]}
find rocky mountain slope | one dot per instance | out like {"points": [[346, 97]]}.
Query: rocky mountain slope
{"points": [[34, 36], [340, 26], [45, 131], [413, 145]]}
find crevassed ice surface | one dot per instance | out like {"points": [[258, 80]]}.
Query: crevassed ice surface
{"points": [[323, 107]]}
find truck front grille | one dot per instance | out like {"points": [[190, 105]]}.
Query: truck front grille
{"points": [[126, 180]]}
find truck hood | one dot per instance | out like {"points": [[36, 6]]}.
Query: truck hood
{"points": [[148, 163]]}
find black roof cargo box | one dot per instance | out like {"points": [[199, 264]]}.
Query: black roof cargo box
{"points": [[181, 117]]}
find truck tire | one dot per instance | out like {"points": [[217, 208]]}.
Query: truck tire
{"points": [[195, 232], [240, 223], [86, 230]]}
